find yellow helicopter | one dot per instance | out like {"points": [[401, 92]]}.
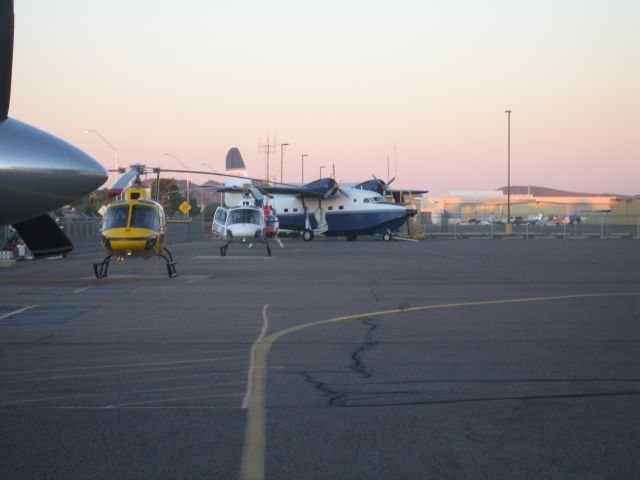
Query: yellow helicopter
{"points": [[134, 226]]}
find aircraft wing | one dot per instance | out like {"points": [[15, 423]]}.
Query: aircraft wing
{"points": [[322, 188], [297, 191], [406, 191]]}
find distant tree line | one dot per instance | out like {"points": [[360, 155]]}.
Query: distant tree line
{"points": [[170, 199]]}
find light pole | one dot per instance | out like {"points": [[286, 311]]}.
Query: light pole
{"points": [[321, 167], [219, 195], [282, 145], [508, 112], [115, 150], [303, 155], [188, 180]]}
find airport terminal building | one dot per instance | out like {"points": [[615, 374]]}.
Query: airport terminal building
{"points": [[471, 206]]}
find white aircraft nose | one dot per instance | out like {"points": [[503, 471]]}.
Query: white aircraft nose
{"points": [[40, 172]]}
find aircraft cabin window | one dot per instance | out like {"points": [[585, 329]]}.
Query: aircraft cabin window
{"points": [[295, 209], [366, 200], [341, 207], [355, 199], [286, 209], [330, 208]]}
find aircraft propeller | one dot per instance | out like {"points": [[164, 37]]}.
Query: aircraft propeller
{"points": [[382, 185]]}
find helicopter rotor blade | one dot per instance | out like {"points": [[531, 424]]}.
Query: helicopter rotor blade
{"points": [[6, 55], [122, 183], [257, 194]]}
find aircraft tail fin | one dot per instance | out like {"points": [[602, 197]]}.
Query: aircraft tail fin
{"points": [[6, 55], [234, 163]]}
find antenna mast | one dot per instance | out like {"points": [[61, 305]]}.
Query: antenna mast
{"points": [[267, 149]]}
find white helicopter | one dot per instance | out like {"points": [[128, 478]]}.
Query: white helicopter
{"points": [[251, 222]]}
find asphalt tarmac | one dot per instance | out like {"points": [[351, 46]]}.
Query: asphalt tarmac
{"points": [[491, 359]]}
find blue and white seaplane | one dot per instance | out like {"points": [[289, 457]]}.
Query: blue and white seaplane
{"points": [[321, 207]]}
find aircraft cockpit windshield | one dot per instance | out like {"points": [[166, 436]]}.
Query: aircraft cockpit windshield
{"points": [[244, 216], [116, 217], [375, 199], [144, 216]]}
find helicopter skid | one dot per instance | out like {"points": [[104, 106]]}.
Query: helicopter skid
{"points": [[101, 269], [171, 265], [223, 249]]}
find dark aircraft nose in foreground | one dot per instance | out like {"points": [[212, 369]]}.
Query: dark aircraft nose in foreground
{"points": [[40, 172]]}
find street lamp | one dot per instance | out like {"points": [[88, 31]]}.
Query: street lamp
{"points": [[321, 167], [303, 155], [508, 112], [188, 181], [282, 145], [115, 150]]}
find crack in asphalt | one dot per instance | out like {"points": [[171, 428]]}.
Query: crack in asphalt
{"points": [[338, 398], [335, 397], [357, 364]]}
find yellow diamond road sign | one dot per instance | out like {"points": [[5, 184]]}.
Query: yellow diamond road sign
{"points": [[184, 207]]}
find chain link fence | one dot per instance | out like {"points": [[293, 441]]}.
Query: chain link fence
{"points": [[601, 225], [84, 232]]}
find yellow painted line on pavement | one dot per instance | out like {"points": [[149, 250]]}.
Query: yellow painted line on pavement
{"points": [[16, 312], [253, 453], [253, 450]]}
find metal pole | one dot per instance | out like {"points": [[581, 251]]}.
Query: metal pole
{"points": [[188, 178], [282, 145], [115, 150], [508, 112], [303, 155], [321, 171]]}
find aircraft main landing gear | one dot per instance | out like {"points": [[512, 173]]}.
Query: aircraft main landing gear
{"points": [[308, 235], [386, 236]]}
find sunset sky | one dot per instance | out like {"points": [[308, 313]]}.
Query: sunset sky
{"points": [[344, 82]]}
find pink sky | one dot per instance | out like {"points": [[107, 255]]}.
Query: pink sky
{"points": [[344, 83]]}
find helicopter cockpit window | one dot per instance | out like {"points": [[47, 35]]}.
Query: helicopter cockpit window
{"points": [[243, 216], [116, 217], [144, 216]]}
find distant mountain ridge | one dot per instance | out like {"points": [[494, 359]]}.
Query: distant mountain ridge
{"points": [[552, 192]]}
